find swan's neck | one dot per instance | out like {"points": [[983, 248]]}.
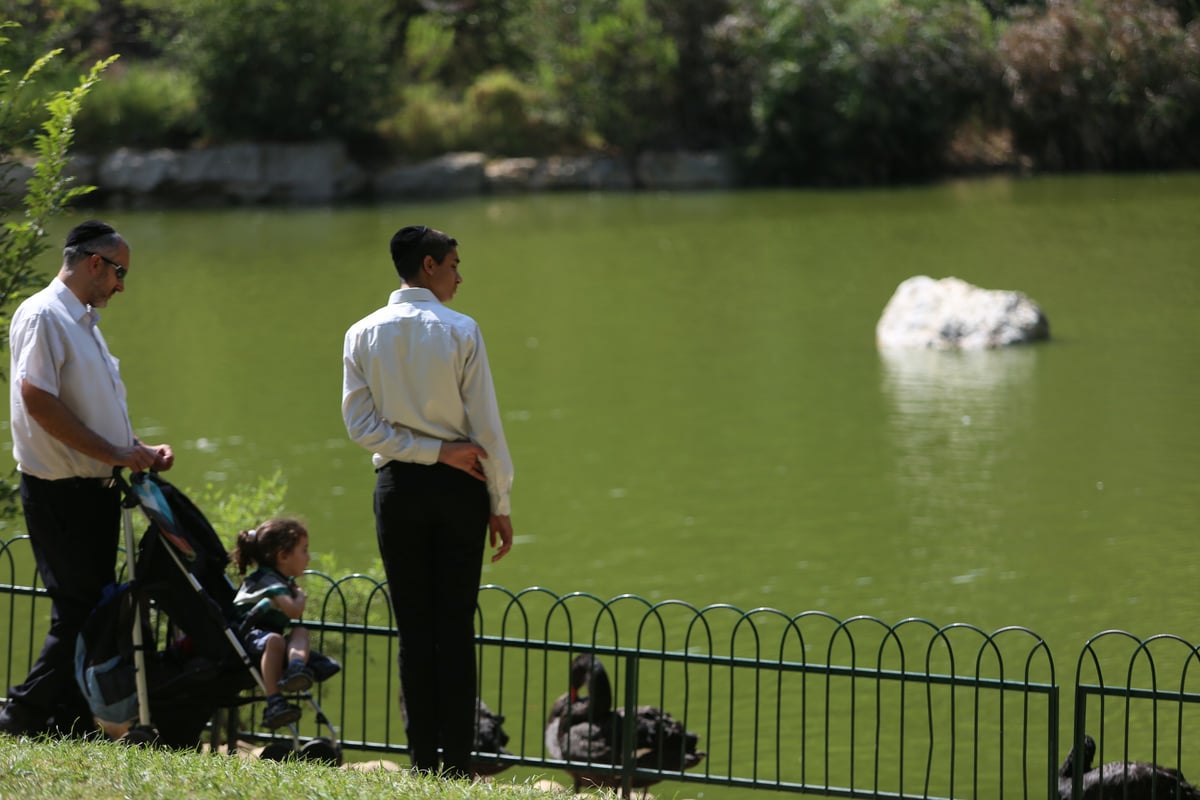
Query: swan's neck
{"points": [[599, 690]]}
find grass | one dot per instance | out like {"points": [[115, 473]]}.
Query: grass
{"points": [[35, 769]]}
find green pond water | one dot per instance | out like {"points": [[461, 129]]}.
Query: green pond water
{"points": [[695, 403]]}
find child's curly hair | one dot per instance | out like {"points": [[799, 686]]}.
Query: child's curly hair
{"points": [[262, 545]]}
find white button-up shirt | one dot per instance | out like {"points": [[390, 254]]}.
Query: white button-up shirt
{"points": [[57, 346], [415, 374]]}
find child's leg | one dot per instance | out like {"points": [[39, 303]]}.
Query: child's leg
{"points": [[298, 645], [297, 678], [278, 711], [274, 649]]}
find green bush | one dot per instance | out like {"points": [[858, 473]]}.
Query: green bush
{"points": [[507, 117], [146, 106], [614, 74], [604, 67], [865, 91], [39, 27], [501, 108], [297, 71], [497, 115], [1104, 84], [711, 107], [426, 123]]}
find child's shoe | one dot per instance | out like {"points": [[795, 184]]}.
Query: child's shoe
{"points": [[296, 678], [322, 666], [278, 712]]}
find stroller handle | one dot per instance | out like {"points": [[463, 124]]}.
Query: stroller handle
{"points": [[128, 498], [119, 479], [128, 494], [139, 490]]}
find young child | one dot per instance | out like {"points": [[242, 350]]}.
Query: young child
{"points": [[268, 601]]}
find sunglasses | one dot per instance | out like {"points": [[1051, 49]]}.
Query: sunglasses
{"points": [[120, 270]]}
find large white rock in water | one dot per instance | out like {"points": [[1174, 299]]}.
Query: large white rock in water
{"points": [[951, 314]]}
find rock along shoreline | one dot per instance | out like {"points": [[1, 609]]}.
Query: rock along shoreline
{"points": [[324, 173]]}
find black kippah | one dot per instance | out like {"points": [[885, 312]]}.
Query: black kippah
{"points": [[406, 239], [87, 231], [412, 234]]}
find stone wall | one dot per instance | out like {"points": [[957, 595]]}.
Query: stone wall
{"points": [[323, 173]]}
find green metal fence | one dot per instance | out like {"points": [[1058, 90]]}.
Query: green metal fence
{"points": [[804, 703], [1138, 696]]}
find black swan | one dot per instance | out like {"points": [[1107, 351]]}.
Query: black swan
{"points": [[1123, 780], [589, 729], [490, 739]]}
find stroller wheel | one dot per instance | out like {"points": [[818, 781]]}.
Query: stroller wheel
{"points": [[139, 736], [278, 751], [322, 751]]}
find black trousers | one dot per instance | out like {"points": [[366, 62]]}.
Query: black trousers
{"points": [[431, 521], [74, 526]]}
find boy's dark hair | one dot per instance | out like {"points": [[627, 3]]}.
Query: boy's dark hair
{"points": [[263, 545], [412, 243]]}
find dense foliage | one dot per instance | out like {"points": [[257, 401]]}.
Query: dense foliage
{"points": [[866, 91], [811, 91], [1105, 85], [612, 70], [145, 106], [301, 70]]}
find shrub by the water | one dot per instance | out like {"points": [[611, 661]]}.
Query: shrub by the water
{"points": [[613, 71], [147, 105], [866, 91], [809, 91], [506, 117], [1105, 84], [427, 122], [296, 71]]}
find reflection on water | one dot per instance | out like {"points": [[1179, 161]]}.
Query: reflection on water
{"points": [[952, 413], [953, 419]]}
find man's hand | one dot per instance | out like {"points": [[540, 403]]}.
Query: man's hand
{"points": [[464, 456], [500, 525], [139, 457], [165, 458]]}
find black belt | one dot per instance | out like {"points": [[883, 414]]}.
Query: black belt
{"points": [[80, 483], [103, 483]]}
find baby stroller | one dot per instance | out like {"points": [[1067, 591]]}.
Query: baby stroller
{"points": [[142, 693]]}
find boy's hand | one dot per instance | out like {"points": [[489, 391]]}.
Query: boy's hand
{"points": [[501, 533]]}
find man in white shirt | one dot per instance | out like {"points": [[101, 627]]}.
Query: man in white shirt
{"points": [[417, 392], [70, 427]]}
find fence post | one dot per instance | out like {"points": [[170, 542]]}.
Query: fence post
{"points": [[1052, 744], [629, 726], [1077, 739]]}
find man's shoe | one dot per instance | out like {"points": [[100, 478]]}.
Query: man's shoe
{"points": [[297, 678], [16, 719], [278, 712]]}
